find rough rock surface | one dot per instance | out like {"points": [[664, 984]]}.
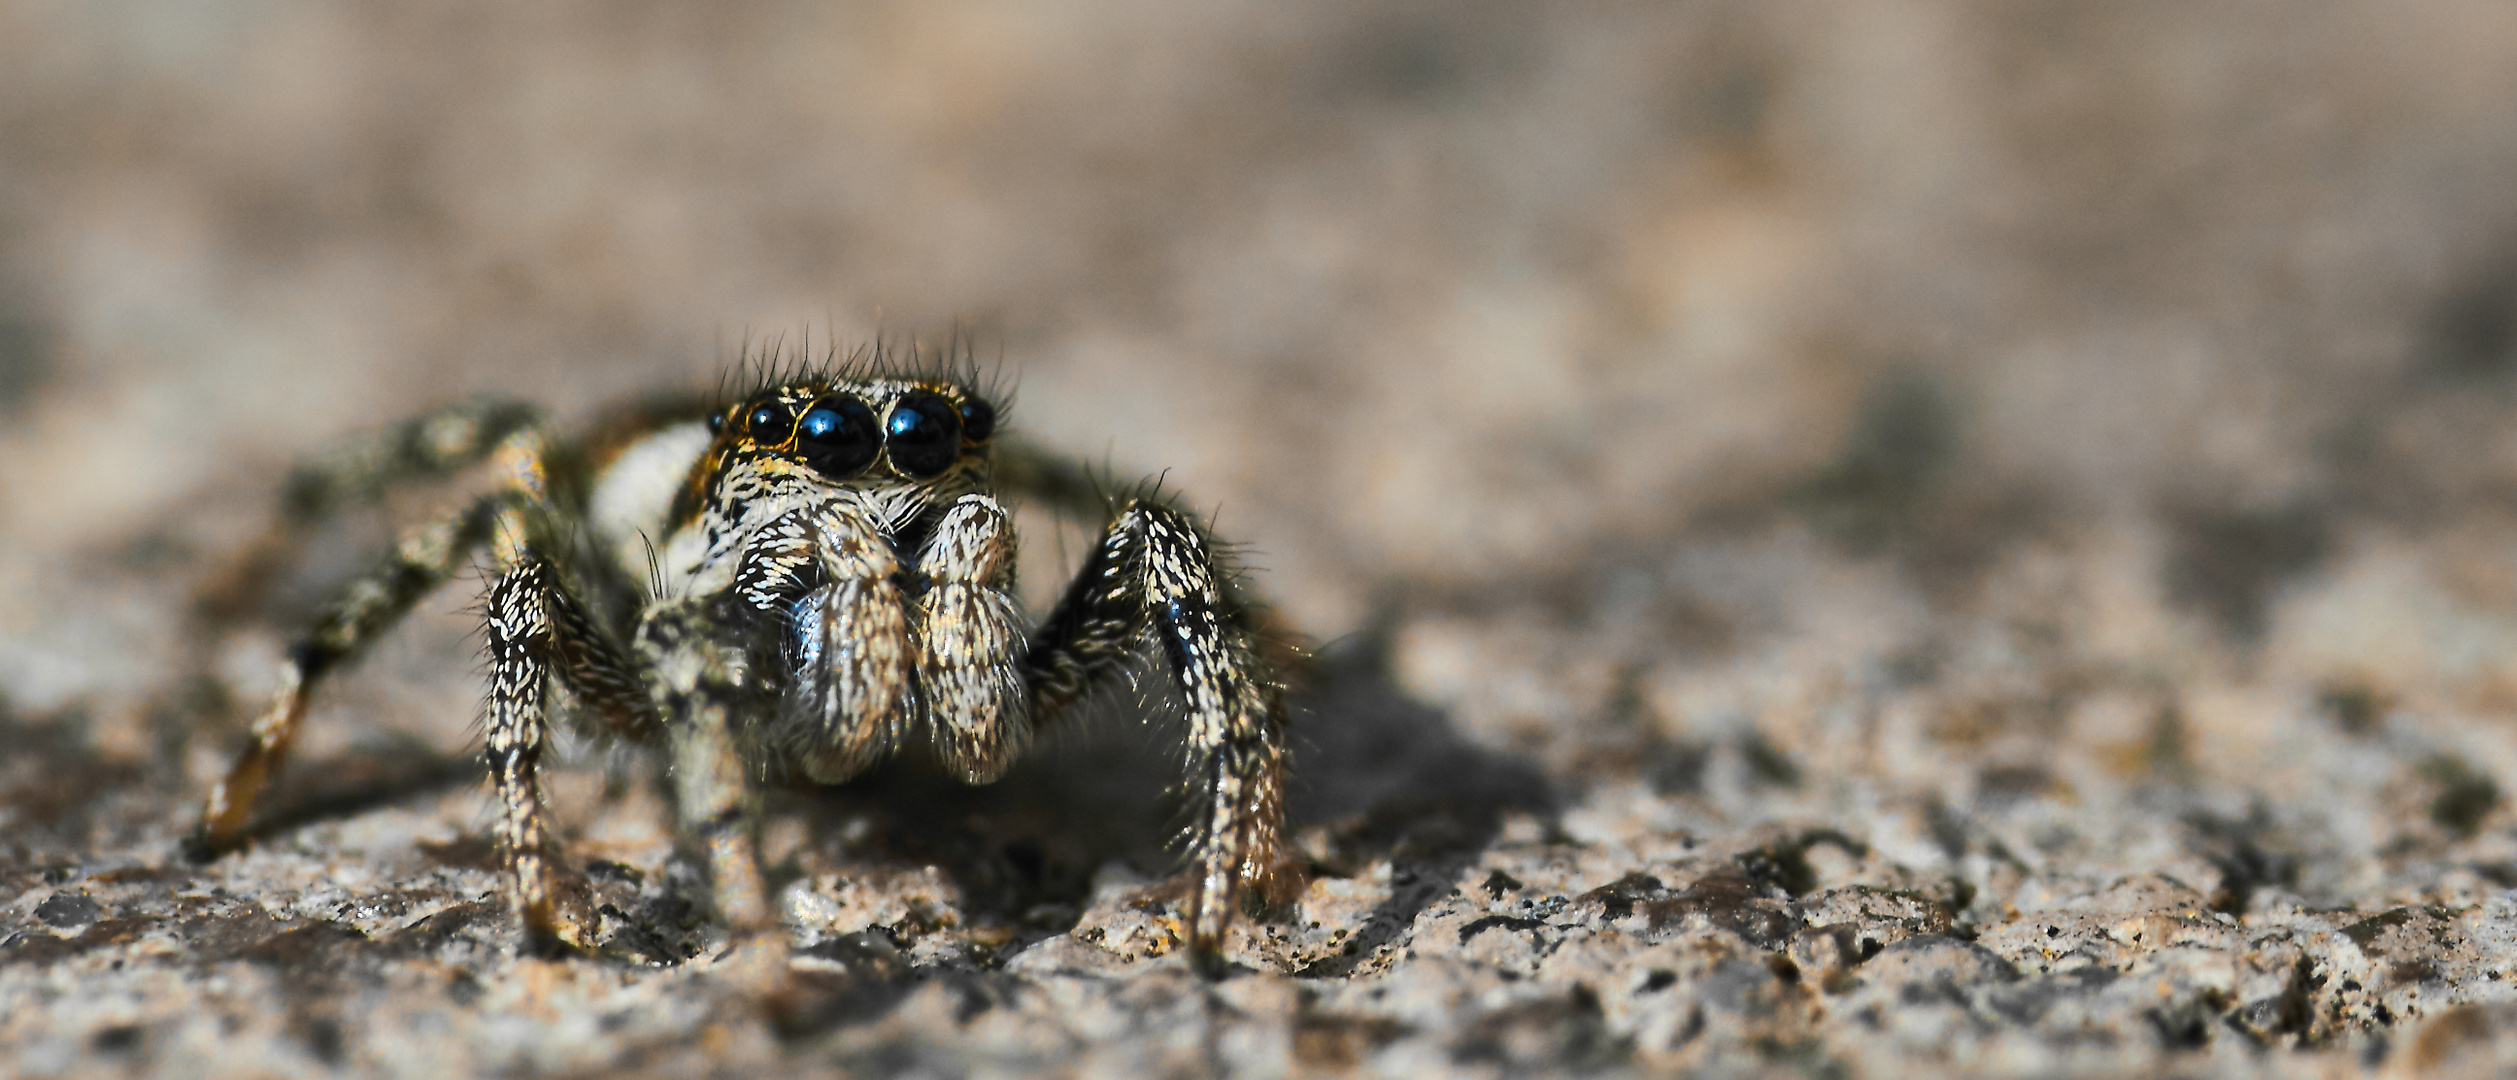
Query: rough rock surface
{"points": [[1847, 540]]}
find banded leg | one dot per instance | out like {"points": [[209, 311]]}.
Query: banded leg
{"points": [[423, 560], [535, 629], [701, 682], [1154, 584], [968, 624], [433, 445]]}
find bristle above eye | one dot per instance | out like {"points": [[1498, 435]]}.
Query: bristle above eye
{"points": [[775, 363]]}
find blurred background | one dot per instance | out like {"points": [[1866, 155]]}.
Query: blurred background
{"points": [[1914, 413]]}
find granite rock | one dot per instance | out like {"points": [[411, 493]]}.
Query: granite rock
{"points": [[1842, 540]]}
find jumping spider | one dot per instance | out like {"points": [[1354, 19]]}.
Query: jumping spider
{"points": [[806, 578]]}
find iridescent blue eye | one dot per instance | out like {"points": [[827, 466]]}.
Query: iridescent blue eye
{"points": [[838, 436], [923, 434]]}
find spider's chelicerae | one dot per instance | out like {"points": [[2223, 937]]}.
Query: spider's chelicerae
{"points": [[806, 578]]}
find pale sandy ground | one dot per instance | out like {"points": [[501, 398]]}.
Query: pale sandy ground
{"points": [[1850, 539]]}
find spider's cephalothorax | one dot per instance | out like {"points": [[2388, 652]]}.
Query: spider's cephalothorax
{"points": [[809, 577]]}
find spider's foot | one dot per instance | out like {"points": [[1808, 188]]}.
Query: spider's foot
{"points": [[561, 926], [547, 943], [1207, 959], [206, 844], [553, 939]]}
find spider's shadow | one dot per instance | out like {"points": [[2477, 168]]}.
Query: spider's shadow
{"points": [[1385, 775], [1391, 778], [363, 779]]}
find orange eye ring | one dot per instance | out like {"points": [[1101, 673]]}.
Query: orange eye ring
{"points": [[769, 423]]}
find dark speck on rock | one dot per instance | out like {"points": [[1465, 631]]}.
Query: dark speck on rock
{"points": [[66, 910], [1727, 897], [607, 870], [1617, 898], [1504, 922], [1498, 883], [324, 1039], [118, 1039]]}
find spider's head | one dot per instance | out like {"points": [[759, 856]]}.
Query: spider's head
{"points": [[860, 432]]}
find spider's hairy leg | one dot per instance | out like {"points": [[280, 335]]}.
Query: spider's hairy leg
{"points": [[421, 561], [970, 630], [1154, 583], [535, 628], [430, 446], [846, 706], [701, 681]]}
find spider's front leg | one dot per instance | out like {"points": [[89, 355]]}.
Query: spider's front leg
{"points": [[825, 686], [535, 628], [1154, 583], [703, 681]]}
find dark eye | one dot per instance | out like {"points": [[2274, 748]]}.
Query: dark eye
{"points": [[923, 434], [978, 420], [716, 422], [838, 437], [770, 423]]}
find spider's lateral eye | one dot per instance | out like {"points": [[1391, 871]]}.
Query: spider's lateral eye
{"points": [[923, 434], [771, 423], [838, 436], [978, 420], [716, 423]]}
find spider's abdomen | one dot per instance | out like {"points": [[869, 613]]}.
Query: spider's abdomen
{"points": [[630, 507]]}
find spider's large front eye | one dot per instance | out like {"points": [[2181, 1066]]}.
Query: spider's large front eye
{"points": [[770, 423], [923, 434], [838, 436]]}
